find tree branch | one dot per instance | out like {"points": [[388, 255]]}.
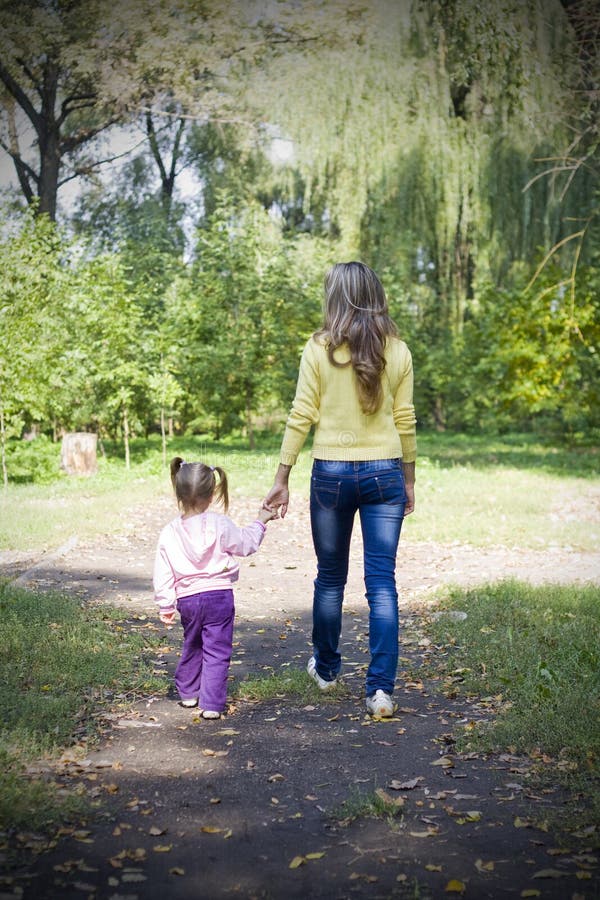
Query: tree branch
{"points": [[15, 89], [89, 167], [70, 143], [155, 148], [24, 172], [175, 154], [83, 101], [30, 75]]}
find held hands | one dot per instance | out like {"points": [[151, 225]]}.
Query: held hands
{"points": [[277, 501], [265, 514]]}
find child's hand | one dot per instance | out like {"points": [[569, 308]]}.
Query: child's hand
{"points": [[265, 515], [167, 617]]}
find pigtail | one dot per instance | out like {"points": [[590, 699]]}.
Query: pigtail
{"points": [[221, 490], [176, 464]]}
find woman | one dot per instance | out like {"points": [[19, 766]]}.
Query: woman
{"points": [[355, 386]]}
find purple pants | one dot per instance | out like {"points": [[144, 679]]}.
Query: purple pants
{"points": [[207, 620]]}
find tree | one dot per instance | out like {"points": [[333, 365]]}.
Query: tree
{"points": [[72, 69], [33, 282]]}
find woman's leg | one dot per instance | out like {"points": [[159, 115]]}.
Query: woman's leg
{"points": [[381, 522], [332, 509], [217, 638]]}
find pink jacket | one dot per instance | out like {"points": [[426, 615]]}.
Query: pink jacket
{"points": [[197, 554]]}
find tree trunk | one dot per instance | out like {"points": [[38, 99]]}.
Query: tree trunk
{"points": [[78, 453], [126, 437], [249, 424], [163, 435], [3, 447]]}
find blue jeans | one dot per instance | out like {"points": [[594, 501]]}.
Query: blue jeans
{"points": [[338, 489]]}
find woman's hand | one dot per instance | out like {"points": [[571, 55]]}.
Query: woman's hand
{"points": [[409, 485], [409, 506], [278, 497]]}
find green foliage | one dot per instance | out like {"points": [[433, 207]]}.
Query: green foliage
{"points": [[59, 663], [239, 320], [539, 350]]}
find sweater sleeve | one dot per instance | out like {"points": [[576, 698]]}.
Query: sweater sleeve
{"points": [[305, 407], [241, 541], [163, 580], [404, 411]]}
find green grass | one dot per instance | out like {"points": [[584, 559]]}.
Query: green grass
{"points": [[62, 663], [375, 805], [537, 651], [293, 684], [513, 491]]}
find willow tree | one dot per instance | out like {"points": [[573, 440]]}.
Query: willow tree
{"points": [[422, 135]]}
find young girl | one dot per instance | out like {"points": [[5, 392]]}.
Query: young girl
{"points": [[193, 572]]}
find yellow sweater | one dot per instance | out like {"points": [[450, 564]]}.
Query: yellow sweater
{"points": [[327, 397]]}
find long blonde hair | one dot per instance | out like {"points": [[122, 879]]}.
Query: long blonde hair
{"points": [[356, 313]]}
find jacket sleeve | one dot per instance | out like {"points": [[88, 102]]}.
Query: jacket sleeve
{"points": [[163, 579], [241, 541], [404, 410], [305, 406]]}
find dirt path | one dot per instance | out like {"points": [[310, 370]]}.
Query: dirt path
{"points": [[249, 806]]}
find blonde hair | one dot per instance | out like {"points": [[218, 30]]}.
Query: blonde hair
{"points": [[195, 483], [356, 313]]}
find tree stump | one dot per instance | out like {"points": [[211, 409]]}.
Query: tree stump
{"points": [[78, 453]]}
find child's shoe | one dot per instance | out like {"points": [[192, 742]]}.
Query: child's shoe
{"points": [[380, 705], [189, 704], [311, 668], [211, 714]]}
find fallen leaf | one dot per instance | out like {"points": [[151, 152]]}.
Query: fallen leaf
{"points": [[162, 848], [133, 877], [297, 861], [431, 868], [522, 823], [319, 855], [177, 871], [387, 798], [210, 829], [155, 831], [482, 866], [549, 873], [455, 887], [531, 892], [444, 761], [404, 785], [276, 777]]}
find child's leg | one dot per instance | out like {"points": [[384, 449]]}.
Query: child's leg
{"points": [[188, 673], [217, 637]]}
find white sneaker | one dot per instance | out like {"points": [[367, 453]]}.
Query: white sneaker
{"points": [[311, 668], [189, 704], [380, 705], [211, 714]]}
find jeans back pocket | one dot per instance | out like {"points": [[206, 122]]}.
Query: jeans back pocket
{"points": [[325, 493]]}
